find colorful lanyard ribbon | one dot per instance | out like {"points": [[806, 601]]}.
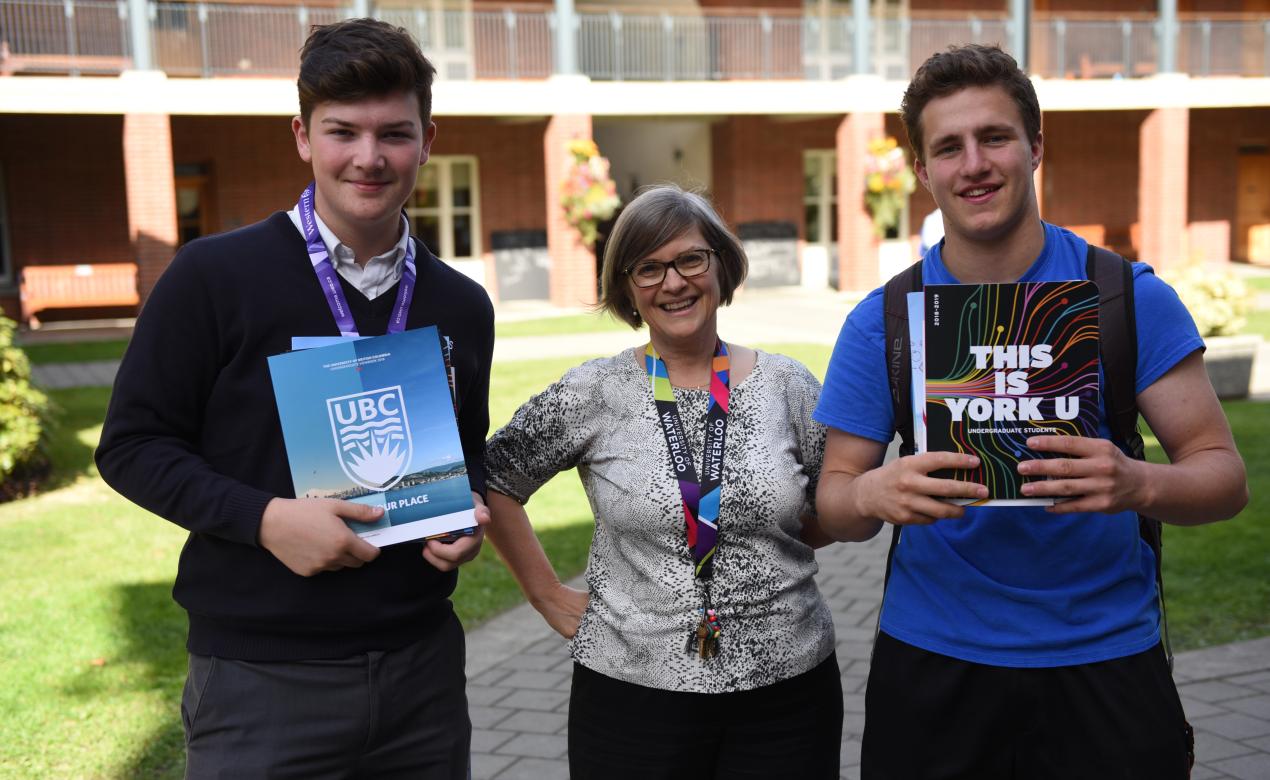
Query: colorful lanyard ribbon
{"points": [[700, 498], [330, 282]]}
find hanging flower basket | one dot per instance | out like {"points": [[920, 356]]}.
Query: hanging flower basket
{"points": [[888, 180], [588, 194]]}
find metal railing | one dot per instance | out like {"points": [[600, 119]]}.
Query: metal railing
{"points": [[209, 39], [1093, 48], [514, 44], [617, 46], [901, 45], [219, 39], [1224, 47], [64, 36]]}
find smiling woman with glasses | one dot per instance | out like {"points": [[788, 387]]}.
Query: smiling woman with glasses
{"points": [[650, 273], [701, 645]]}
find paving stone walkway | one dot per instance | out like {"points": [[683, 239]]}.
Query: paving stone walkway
{"points": [[519, 670], [518, 684]]}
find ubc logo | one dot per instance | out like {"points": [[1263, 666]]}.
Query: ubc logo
{"points": [[372, 436]]}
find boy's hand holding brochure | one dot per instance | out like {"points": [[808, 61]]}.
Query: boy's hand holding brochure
{"points": [[374, 453]]}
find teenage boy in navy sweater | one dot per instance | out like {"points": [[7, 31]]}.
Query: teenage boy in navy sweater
{"points": [[1018, 642], [312, 652]]}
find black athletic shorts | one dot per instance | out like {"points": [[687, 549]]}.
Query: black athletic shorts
{"points": [[929, 716]]}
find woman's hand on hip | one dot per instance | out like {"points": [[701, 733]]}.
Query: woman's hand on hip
{"points": [[562, 608]]}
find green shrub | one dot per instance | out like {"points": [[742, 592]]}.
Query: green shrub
{"points": [[24, 414], [1217, 299]]}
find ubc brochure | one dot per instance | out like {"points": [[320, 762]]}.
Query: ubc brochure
{"points": [[1002, 363], [371, 420]]}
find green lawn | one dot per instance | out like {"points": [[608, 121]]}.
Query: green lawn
{"points": [[1215, 576], [1258, 283], [1258, 322], [91, 644], [75, 352], [558, 326]]}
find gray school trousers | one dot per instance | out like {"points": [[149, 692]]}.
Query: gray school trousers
{"points": [[383, 714]]}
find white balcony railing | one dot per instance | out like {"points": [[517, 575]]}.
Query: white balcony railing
{"points": [[220, 39]]}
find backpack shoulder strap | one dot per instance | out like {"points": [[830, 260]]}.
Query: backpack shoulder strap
{"points": [[898, 371], [898, 361], [1118, 345]]}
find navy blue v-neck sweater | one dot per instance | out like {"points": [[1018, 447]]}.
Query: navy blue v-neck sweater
{"points": [[192, 434]]}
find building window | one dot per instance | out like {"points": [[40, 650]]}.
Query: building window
{"points": [[820, 197], [194, 216], [444, 211], [6, 261]]}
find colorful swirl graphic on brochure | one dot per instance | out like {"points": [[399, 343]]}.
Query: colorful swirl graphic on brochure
{"points": [[1005, 362]]}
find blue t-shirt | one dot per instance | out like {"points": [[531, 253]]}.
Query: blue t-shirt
{"points": [[1014, 586]]}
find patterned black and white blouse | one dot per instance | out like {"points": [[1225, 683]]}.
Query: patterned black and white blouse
{"points": [[601, 419]]}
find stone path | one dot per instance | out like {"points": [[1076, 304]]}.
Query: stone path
{"points": [[519, 670], [518, 684]]}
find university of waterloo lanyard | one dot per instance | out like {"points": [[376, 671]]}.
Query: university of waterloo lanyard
{"points": [[330, 281], [699, 496]]}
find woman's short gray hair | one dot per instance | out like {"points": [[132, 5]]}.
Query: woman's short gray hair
{"points": [[658, 215]]}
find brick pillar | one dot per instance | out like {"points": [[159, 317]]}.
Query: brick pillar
{"points": [[572, 263], [151, 193], [1162, 161], [857, 248]]}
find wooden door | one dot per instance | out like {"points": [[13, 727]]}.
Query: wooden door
{"points": [[1252, 209], [194, 217]]}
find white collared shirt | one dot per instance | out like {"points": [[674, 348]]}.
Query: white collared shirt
{"points": [[381, 271]]}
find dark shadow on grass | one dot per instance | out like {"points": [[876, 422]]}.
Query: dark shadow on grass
{"points": [[152, 660], [74, 411], [155, 628]]}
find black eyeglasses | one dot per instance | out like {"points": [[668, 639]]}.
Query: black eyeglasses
{"points": [[651, 273]]}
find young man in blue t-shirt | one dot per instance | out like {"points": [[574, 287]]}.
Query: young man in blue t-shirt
{"points": [[1019, 641]]}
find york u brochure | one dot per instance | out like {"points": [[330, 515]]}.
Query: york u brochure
{"points": [[1003, 363], [371, 420]]}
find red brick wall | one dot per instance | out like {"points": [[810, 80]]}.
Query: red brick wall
{"points": [[751, 4], [511, 169], [151, 194], [1096, 6], [64, 182], [857, 245], [255, 169], [1162, 186], [1216, 135], [920, 203], [573, 264], [758, 166], [1091, 172], [65, 185]]}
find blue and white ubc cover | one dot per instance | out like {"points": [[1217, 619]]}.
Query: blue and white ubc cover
{"points": [[372, 420]]}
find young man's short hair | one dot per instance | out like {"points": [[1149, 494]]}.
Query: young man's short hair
{"points": [[658, 215], [355, 59], [972, 65]]}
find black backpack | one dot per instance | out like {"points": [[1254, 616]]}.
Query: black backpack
{"points": [[1118, 351]]}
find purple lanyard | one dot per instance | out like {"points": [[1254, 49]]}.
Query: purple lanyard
{"points": [[330, 282]]}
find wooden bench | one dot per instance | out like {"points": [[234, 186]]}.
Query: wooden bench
{"points": [[43, 287]]}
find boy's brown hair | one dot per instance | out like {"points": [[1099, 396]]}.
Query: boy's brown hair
{"points": [[355, 59], [973, 65]]}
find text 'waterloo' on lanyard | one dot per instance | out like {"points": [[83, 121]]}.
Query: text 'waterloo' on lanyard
{"points": [[700, 495], [321, 259]]}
